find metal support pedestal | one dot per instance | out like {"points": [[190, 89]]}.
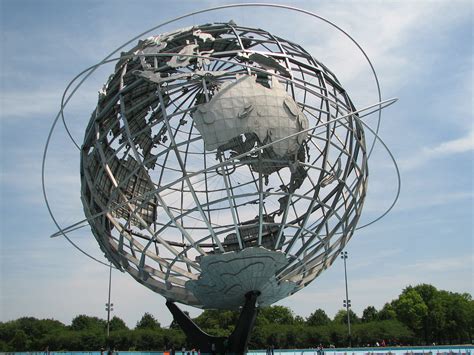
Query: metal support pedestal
{"points": [[237, 341]]}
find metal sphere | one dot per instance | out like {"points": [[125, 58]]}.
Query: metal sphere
{"points": [[227, 160]]}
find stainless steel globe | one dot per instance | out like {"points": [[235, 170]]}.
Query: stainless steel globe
{"points": [[226, 160]]}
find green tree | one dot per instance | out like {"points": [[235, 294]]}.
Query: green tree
{"points": [[459, 312], [20, 341], [35, 329], [371, 332], [435, 319], [421, 314], [148, 321], [341, 317], [278, 314], [174, 338], [411, 309], [369, 314], [470, 319], [90, 340], [117, 324], [426, 291], [83, 322], [7, 331], [318, 317], [316, 335], [338, 334], [149, 339], [299, 320], [387, 312], [217, 322], [4, 346], [122, 339]]}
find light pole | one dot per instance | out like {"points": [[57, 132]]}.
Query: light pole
{"points": [[109, 306], [347, 301]]}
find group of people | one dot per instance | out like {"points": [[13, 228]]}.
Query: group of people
{"points": [[271, 350], [172, 351], [108, 352]]}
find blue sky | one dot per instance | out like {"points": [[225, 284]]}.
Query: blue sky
{"points": [[423, 53]]}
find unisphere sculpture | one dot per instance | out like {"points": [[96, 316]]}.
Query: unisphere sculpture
{"points": [[223, 167], [229, 160]]}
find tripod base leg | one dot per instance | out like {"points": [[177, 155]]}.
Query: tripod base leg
{"points": [[236, 343]]}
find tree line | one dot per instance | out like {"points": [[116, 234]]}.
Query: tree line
{"points": [[421, 315]]}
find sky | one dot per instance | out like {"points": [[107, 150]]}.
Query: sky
{"points": [[423, 54]]}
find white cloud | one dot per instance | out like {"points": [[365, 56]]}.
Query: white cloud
{"points": [[461, 262], [377, 258], [459, 145], [13, 104], [442, 150], [432, 199], [389, 34], [43, 103]]}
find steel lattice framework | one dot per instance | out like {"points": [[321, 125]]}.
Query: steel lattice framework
{"points": [[172, 198]]}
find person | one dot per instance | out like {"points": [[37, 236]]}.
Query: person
{"points": [[320, 349], [102, 351], [270, 350], [46, 350], [172, 351]]}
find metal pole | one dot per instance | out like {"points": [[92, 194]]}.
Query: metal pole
{"points": [[108, 305], [347, 301]]}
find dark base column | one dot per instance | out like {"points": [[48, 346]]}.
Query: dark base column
{"points": [[236, 343]]}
